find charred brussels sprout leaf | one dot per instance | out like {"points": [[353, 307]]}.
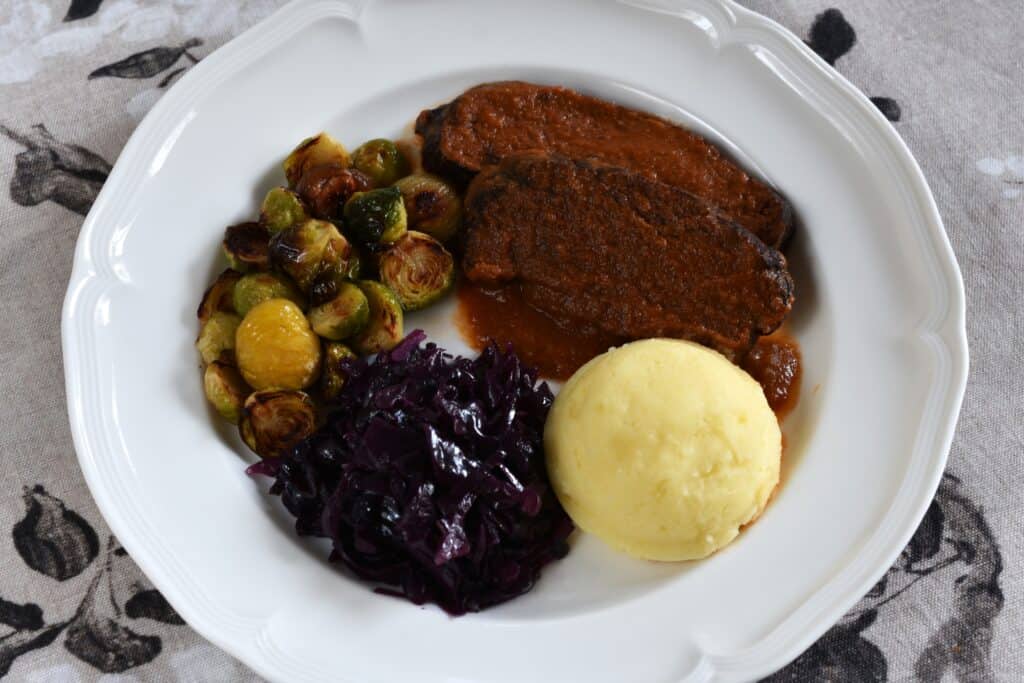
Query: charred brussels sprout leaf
{"points": [[274, 421], [381, 161], [281, 209], [384, 329], [432, 205], [325, 285], [219, 297], [418, 269], [326, 188], [245, 246], [355, 266], [255, 288], [309, 250], [217, 335], [315, 151], [376, 216], [343, 316], [334, 374], [225, 390]]}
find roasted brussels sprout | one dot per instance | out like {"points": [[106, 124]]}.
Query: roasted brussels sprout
{"points": [[275, 348], [325, 285], [376, 216], [245, 246], [217, 335], [219, 296], [355, 265], [225, 389], [343, 316], [381, 161], [333, 377], [432, 205], [281, 209], [384, 329], [327, 187], [311, 249], [315, 151], [274, 421], [418, 269], [255, 288], [413, 153]]}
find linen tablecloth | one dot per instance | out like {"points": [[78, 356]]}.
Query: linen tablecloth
{"points": [[76, 76]]}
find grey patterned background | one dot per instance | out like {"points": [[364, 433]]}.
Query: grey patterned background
{"points": [[76, 76]]}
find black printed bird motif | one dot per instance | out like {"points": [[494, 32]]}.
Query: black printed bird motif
{"points": [[48, 169], [149, 63], [954, 542], [57, 542]]}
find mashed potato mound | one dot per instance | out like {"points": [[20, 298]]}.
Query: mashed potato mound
{"points": [[663, 449]]}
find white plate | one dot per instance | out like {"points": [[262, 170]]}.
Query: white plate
{"points": [[880, 316]]}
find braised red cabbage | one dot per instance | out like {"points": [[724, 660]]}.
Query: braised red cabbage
{"points": [[429, 477]]}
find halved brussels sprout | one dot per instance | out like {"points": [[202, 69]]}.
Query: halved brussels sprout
{"points": [[219, 295], [343, 316], [412, 150], [245, 246], [333, 377], [255, 288], [308, 250], [281, 209], [418, 269], [275, 347], [315, 151], [325, 285], [385, 328], [225, 389], [433, 206], [376, 216], [381, 161], [217, 335], [327, 187], [274, 421]]}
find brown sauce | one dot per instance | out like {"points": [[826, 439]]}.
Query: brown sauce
{"points": [[775, 363], [502, 314]]}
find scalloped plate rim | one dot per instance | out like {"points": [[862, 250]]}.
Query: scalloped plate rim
{"points": [[91, 275]]}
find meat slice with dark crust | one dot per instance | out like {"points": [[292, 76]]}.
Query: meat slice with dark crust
{"points": [[488, 122], [596, 245]]}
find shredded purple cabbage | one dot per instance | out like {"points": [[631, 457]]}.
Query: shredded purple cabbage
{"points": [[429, 477]]}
